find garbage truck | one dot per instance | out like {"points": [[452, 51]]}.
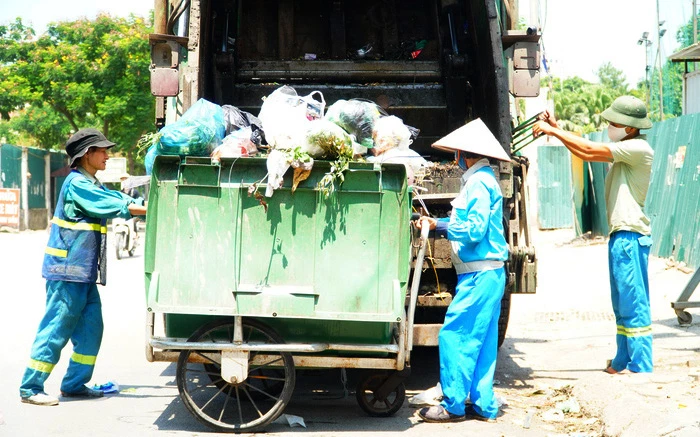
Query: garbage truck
{"points": [[435, 64]]}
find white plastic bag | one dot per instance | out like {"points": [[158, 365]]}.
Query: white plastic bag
{"points": [[325, 139], [431, 396], [277, 165], [283, 115], [388, 133], [416, 165], [235, 145]]}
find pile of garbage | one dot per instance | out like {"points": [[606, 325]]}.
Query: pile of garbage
{"points": [[293, 131]]}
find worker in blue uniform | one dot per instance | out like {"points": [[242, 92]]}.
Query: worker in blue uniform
{"points": [[468, 339], [626, 186], [74, 262]]}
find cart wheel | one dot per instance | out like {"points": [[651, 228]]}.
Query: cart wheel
{"points": [[684, 318], [244, 407], [373, 406], [119, 244]]}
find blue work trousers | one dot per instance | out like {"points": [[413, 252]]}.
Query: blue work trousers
{"points": [[468, 343], [628, 258], [73, 312]]}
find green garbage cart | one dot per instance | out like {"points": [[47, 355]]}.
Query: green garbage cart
{"points": [[251, 287]]}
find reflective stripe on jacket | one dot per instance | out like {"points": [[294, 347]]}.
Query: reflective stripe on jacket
{"points": [[75, 251]]}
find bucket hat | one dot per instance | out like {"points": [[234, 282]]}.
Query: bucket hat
{"points": [[473, 137], [79, 143], [628, 111]]}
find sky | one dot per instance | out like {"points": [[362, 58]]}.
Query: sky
{"points": [[577, 36]]}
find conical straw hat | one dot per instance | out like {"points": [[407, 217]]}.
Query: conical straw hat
{"points": [[473, 137]]}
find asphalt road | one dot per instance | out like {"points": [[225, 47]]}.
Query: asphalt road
{"points": [[557, 344]]}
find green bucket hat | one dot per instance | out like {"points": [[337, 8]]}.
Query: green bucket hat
{"points": [[628, 111]]}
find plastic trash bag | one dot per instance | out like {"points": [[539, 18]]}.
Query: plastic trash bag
{"points": [[277, 165], [325, 139], [196, 133], [236, 145], [285, 116], [431, 396], [416, 165], [235, 119], [390, 132], [357, 117], [150, 158]]}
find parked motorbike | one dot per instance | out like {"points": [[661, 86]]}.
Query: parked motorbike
{"points": [[125, 236]]}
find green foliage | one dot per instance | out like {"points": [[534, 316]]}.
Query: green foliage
{"points": [[578, 104], [84, 73]]}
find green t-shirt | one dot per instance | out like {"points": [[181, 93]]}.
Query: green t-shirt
{"points": [[626, 185]]}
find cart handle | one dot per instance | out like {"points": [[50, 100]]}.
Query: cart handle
{"points": [[415, 283]]}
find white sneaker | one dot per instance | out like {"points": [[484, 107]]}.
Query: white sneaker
{"points": [[41, 399]]}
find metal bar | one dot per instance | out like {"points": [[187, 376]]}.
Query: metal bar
{"points": [[524, 145], [530, 121], [683, 305], [180, 344], [682, 301], [300, 361], [415, 282]]}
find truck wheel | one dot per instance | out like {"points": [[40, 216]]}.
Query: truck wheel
{"points": [[503, 318], [244, 407]]}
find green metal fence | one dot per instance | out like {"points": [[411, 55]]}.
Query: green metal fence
{"points": [[10, 166], [12, 175], [554, 189], [673, 200]]}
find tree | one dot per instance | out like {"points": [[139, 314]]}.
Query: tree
{"points": [[79, 74], [578, 104]]}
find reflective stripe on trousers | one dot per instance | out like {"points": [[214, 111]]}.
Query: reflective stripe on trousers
{"points": [[628, 258], [73, 312], [468, 342]]}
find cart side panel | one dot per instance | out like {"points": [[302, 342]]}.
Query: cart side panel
{"points": [[221, 251]]}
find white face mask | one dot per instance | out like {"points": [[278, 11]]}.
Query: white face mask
{"points": [[616, 133]]}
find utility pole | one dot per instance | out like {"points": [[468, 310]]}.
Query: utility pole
{"points": [[695, 21], [658, 56], [644, 41]]}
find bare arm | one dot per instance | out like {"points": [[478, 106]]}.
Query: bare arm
{"points": [[579, 146], [135, 209]]}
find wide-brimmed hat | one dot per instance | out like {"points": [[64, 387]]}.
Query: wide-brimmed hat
{"points": [[79, 143], [473, 137], [628, 111]]}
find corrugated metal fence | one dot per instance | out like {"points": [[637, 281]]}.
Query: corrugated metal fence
{"points": [[29, 169], [673, 200]]}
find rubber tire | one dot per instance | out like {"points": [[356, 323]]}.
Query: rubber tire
{"points": [[370, 381], [684, 318], [255, 425], [504, 316], [119, 244]]}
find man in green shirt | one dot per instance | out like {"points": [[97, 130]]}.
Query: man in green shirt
{"points": [[626, 188]]}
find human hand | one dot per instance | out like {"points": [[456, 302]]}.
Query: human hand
{"points": [[542, 127], [548, 117], [432, 223]]}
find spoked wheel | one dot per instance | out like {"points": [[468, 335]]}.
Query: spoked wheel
{"points": [[373, 405], [243, 407], [119, 244]]}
